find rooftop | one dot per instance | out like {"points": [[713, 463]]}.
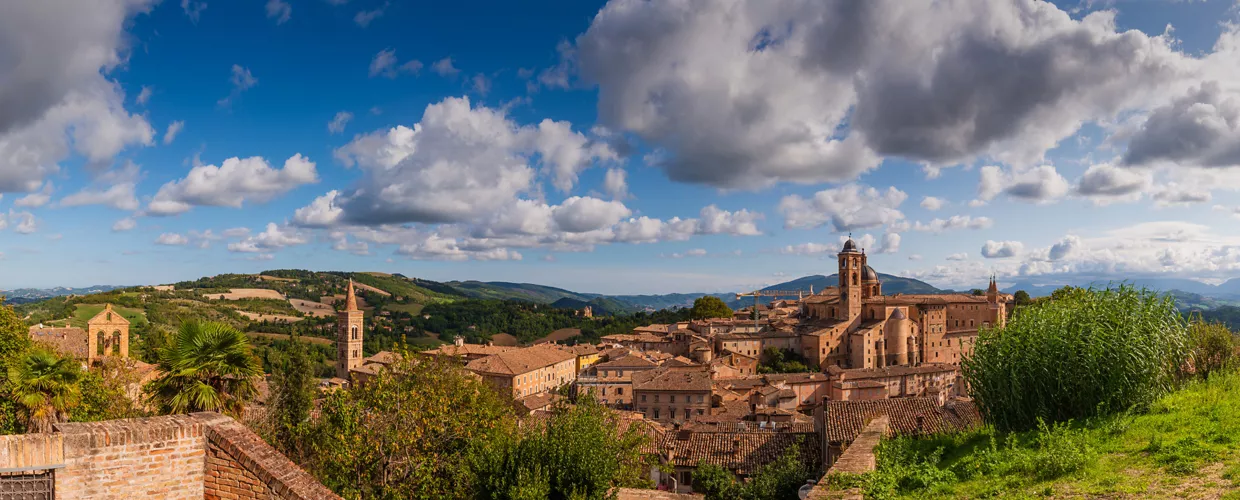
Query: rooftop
{"points": [[845, 419], [672, 379], [518, 361], [67, 341], [743, 451]]}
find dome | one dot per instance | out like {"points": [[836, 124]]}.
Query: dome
{"points": [[899, 314], [849, 246], [868, 275]]}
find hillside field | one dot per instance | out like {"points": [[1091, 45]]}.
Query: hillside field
{"points": [[85, 312]]}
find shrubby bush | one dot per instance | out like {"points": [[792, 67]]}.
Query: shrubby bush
{"points": [[1084, 353]]}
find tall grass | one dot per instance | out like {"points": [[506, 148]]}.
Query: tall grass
{"points": [[1088, 352]]}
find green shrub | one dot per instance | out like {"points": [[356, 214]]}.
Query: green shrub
{"points": [[1085, 353], [1212, 347]]}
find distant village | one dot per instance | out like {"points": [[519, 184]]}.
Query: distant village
{"points": [[698, 383]]}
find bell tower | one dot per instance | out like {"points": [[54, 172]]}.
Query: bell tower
{"points": [[852, 262], [349, 332]]}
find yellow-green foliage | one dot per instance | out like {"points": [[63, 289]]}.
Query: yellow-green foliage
{"points": [[1187, 444], [85, 312]]}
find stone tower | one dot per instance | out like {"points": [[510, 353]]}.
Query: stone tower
{"points": [[998, 310], [852, 262], [349, 331], [107, 334]]}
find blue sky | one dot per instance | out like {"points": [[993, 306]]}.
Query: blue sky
{"points": [[618, 147]]}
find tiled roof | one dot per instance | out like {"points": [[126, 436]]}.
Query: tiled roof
{"points": [[635, 337], [518, 361], [890, 371], [383, 358], [469, 350], [67, 341], [672, 379], [629, 361], [539, 401], [743, 452], [679, 361], [796, 378], [845, 419], [926, 298], [103, 316]]}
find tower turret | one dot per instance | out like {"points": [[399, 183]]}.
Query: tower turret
{"points": [[852, 263], [349, 332]]}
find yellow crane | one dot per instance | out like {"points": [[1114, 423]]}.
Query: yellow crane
{"points": [[771, 293]]}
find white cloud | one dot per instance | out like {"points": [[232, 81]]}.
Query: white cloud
{"points": [[144, 95], [1064, 248], [480, 84], [232, 183], [120, 196], [817, 91], [848, 207], [954, 222], [242, 79], [458, 164], [37, 198], [1105, 183], [365, 17], [172, 239], [125, 224], [958, 256], [579, 215], [931, 203], [322, 212], [279, 10], [444, 67], [693, 252], [23, 222], [1041, 184], [193, 9], [891, 243], [274, 237], [1001, 249], [385, 64], [339, 121], [615, 183], [174, 128], [1199, 129], [914, 257]]}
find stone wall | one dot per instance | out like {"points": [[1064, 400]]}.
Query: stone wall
{"points": [[204, 455], [857, 459]]}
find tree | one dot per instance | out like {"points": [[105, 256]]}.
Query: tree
{"points": [[46, 387], [715, 482], [577, 453], [776, 360], [978, 292], [292, 396], [208, 367], [709, 306], [14, 336], [1022, 298], [1212, 347], [407, 432], [779, 479], [105, 394]]}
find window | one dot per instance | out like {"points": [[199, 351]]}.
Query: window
{"points": [[604, 373], [700, 412], [619, 391], [686, 413], [656, 413], [604, 391], [671, 399], [700, 398], [656, 398], [619, 373], [643, 400]]}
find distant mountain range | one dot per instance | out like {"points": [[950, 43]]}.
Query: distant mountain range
{"points": [[1229, 290], [24, 295]]}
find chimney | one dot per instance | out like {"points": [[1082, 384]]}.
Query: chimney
{"points": [[921, 424], [458, 341], [736, 445]]}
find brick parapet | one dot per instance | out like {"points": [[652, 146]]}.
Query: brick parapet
{"points": [[857, 459], [21, 452], [157, 457], [240, 465]]}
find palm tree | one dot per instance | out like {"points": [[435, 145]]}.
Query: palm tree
{"points": [[46, 386], [208, 367]]}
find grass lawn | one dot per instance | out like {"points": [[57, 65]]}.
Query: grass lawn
{"points": [[281, 336], [85, 312], [411, 308], [1186, 446]]}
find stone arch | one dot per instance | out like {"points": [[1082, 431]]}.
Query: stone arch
{"points": [[115, 347], [101, 343], [353, 332], [854, 279]]}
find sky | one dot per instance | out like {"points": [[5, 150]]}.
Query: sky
{"points": [[619, 147]]}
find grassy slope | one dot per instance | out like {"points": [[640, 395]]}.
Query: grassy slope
{"points": [[1187, 445], [401, 287], [85, 312]]}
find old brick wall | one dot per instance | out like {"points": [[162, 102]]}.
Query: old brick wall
{"points": [[158, 457], [240, 465]]}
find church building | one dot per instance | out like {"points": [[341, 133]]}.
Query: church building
{"points": [[853, 325]]}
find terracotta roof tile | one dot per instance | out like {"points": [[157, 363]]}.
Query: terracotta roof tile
{"points": [[518, 361], [845, 419], [67, 341], [743, 452], [672, 379]]}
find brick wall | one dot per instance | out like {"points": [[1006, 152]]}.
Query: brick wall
{"points": [[158, 457], [199, 456]]}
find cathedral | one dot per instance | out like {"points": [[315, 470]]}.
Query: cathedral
{"points": [[853, 325]]}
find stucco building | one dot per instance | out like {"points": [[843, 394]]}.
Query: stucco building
{"points": [[106, 334], [527, 371], [672, 394]]}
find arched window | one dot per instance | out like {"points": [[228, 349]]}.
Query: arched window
{"points": [[101, 342], [109, 316], [116, 343], [855, 280], [354, 330]]}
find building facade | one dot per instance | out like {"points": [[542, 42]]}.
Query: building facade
{"points": [[528, 371], [672, 394]]}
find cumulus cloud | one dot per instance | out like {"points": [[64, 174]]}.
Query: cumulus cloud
{"points": [[818, 91], [1201, 128], [1105, 183], [126, 224], [1001, 249], [458, 164], [279, 10], [64, 103], [954, 222], [144, 95], [274, 237], [386, 65], [444, 67], [171, 239], [174, 128], [931, 203], [37, 198], [1064, 248], [891, 243], [231, 184], [579, 215], [846, 208], [339, 121], [615, 183], [120, 196], [958, 256], [23, 222], [1041, 184]]}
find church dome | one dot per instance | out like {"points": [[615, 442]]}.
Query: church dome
{"points": [[868, 275], [849, 246], [899, 314]]}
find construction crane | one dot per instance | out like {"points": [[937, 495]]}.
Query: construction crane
{"points": [[771, 293]]}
